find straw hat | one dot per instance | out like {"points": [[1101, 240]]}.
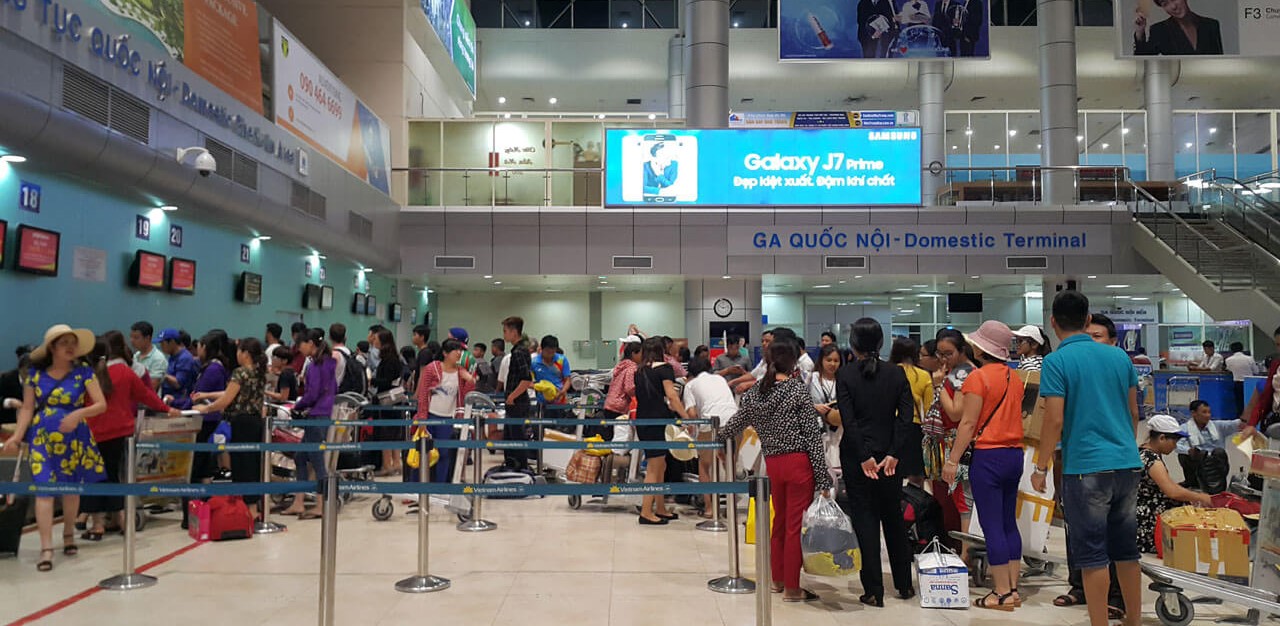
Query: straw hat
{"points": [[676, 434], [84, 340], [993, 338]]}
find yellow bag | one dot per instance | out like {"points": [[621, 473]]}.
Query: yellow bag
{"points": [[597, 439], [414, 459], [751, 521]]}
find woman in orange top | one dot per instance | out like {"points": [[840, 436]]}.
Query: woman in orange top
{"points": [[992, 420]]}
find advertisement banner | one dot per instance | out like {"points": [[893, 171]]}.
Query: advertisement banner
{"points": [[824, 119], [840, 30], [735, 167], [452, 21], [313, 104], [921, 240], [217, 39], [1192, 28]]}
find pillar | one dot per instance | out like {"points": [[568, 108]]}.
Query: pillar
{"points": [[700, 297], [1056, 26], [675, 78], [933, 127], [1158, 95], [707, 51]]}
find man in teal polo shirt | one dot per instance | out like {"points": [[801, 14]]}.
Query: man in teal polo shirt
{"points": [[1091, 402]]}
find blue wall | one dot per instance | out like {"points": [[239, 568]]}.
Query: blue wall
{"points": [[90, 217]]}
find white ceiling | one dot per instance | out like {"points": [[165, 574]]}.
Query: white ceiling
{"points": [[597, 70]]}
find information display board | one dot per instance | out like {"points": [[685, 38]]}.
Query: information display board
{"points": [[763, 167], [147, 271], [38, 250], [182, 276], [1222, 28], [839, 30]]}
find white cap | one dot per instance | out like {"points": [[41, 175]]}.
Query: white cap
{"points": [[630, 339], [1031, 332], [1165, 425]]}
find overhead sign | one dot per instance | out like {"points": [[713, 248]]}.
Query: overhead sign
{"points": [[824, 119], [452, 21], [736, 167], [1133, 315], [921, 240], [313, 104], [840, 30], [1196, 28]]}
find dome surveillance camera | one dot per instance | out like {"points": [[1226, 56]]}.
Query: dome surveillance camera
{"points": [[198, 158]]}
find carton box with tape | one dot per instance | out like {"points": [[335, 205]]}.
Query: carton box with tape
{"points": [[1214, 542]]}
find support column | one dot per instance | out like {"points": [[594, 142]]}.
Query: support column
{"points": [[1056, 26], [933, 127], [1158, 94], [700, 297], [675, 78], [595, 330], [707, 51]]}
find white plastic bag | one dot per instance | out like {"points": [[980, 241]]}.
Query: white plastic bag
{"points": [[827, 542]]}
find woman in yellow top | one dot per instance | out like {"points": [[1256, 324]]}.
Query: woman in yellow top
{"points": [[906, 354]]}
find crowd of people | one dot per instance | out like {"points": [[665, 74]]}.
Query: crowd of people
{"points": [[945, 415]]}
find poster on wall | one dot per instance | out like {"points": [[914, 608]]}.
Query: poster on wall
{"points": [[840, 30], [38, 250], [453, 24], [313, 104], [1194, 28], [761, 167], [89, 264]]}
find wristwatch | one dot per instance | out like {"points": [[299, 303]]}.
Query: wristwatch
{"points": [[1041, 470]]}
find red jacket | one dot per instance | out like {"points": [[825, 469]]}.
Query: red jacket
{"points": [[1262, 403], [430, 379], [127, 392]]}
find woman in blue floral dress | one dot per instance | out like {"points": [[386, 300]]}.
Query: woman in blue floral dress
{"points": [[53, 424]]}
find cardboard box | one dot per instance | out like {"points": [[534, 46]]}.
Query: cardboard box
{"points": [[1214, 542], [1032, 406], [944, 580]]}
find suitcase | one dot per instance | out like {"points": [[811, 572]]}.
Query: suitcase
{"points": [[229, 518], [508, 475], [14, 509]]}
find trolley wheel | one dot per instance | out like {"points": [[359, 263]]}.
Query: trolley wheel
{"points": [[383, 509], [1181, 616], [575, 502], [139, 520]]}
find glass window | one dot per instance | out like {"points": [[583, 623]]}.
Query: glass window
{"points": [[1105, 139], [661, 14], [1253, 144], [1094, 13], [626, 14], [1024, 139], [519, 14], [1133, 138], [750, 14], [555, 13], [591, 14], [424, 152], [1185, 156], [576, 146], [988, 145], [957, 144], [1214, 137], [487, 13]]}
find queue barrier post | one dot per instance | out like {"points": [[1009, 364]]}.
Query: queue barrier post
{"points": [[129, 578], [764, 605], [733, 583], [476, 523], [423, 582], [328, 549], [264, 525], [715, 524]]}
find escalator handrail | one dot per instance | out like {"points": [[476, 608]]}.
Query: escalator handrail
{"points": [[1229, 188], [1176, 218]]}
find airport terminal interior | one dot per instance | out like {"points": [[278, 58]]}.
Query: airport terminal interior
{"points": [[489, 312]]}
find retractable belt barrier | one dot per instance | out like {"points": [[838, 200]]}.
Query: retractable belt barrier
{"points": [[497, 421], [205, 490], [442, 444]]}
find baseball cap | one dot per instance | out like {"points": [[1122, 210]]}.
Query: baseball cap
{"points": [[1165, 425], [459, 333], [168, 334]]}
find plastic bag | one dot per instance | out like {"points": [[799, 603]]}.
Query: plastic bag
{"points": [[827, 542]]}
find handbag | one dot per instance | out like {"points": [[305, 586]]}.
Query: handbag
{"points": [[392, 396], [967, 457]]}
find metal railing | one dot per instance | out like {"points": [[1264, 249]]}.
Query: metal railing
{"points": [[505, 186]]}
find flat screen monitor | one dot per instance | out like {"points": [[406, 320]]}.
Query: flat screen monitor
{"points": [[38, 250], [182, 276], [147, 270], [249, 291], [326, 297], [4, 235], [311, 297], [964, 303], [370, 305], [357, 304], [394, 312]]}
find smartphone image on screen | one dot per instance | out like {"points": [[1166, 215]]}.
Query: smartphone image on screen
{"points": [[660, 168]]}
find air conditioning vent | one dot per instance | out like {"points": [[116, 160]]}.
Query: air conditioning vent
{"points": [[130, 117], [632, 262], [359, 226], [85, 94], [845, 262], [1026, 262], [245, 171], [455, 262], [225, 157], [316, 208], [299, 196]]}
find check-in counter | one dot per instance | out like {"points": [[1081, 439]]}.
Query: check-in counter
{"points": [[1175, 391]]}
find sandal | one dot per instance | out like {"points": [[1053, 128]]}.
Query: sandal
{"points": [[305, 515], [776, 588], [1000, 605], [1115, 612], [93, 535], [1070, 598], [808, 596], [69, 549], [45, 564]]}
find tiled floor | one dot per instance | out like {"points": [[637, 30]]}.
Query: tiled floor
{"points": [[546, 564]]}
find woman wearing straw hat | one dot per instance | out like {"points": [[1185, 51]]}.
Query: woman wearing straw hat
{"points": [[53, 424], [992, 421]]}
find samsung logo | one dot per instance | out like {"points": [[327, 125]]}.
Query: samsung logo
{"points": [[895, 135]]}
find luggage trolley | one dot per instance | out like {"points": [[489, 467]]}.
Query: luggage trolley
{"points": [[1180, 393], [1262, 595], [346, 407], [164, 466]]}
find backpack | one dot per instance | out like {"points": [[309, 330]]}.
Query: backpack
{"points": [[508, 474], [353, 375], [923, 517]]}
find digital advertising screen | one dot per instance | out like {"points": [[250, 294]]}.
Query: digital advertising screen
{"points": [[147, 271], [38, 250], [4, 235], [326, 297], [370, 305], [763, 167], [357, 304], [840, 30], [182, 276], [249, 291]]}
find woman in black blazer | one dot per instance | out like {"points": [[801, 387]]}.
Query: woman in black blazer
{"points": [[877, 408], [1173, 37]]}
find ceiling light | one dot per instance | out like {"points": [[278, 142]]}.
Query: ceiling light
{"points": [[262, 238], [1105, 146], [1122, 297], [1213, 131], [506, 116], [322, 257], [975, 277], [1013, 132], [735, 24], [502, 99], [951, 282], [1092, 277], [1140, 298], [553, 99], [1117, 286], [1079, 137], [903, 289], [1124, 131], [822, 286], [968, 132], [726, 277], [604, 282], [497, 282], [653, 116], [526, 22], [487, 276], [858, 277], [842, 281], [624, 24], [602, 277], [955, 147], [600, 116], [1035, 294], [1039, 146], [1188, 145], [168, 208], [13, 158], [920, 286], [431, 291]]}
